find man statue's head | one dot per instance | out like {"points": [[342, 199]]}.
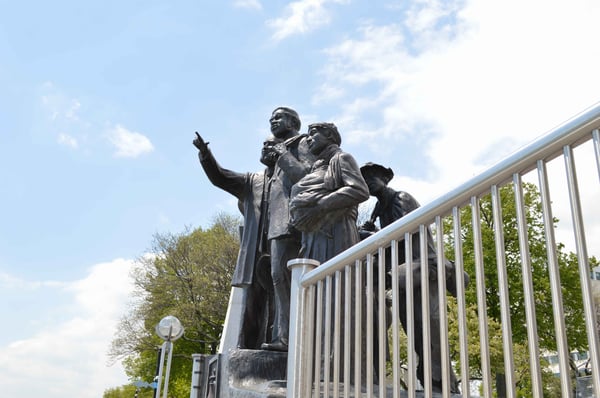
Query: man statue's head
{"points": [[268, 156], [285, 122], [321, 135], [376, 176]]}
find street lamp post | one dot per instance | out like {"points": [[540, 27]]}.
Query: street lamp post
{"points": [[169, 329]]}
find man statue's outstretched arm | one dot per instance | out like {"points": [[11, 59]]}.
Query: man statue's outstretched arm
{"points": [[229, 181], [201, 145]]}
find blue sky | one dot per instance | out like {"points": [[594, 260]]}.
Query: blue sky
{"points": [[100, 101]]}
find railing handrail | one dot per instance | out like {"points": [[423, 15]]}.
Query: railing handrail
{"points": [[547, 147]]}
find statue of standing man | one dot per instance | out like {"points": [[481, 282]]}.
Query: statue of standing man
{"points": [[265, 199], [293, 162], [250, 189]]}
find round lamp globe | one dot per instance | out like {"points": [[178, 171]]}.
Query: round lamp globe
{"points": [[169, 328]]}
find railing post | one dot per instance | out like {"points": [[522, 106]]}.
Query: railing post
{"points": [[296, 362]]}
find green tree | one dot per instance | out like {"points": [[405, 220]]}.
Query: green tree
{"points": [[121, 392], [187, 275], [569, 274]]}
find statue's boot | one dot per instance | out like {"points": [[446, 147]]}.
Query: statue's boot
{"points": [[275, 346]]}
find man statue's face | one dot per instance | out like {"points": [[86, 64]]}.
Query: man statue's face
{"points": [[375, 182], [268, 156], [317, 141], [280, 123]]}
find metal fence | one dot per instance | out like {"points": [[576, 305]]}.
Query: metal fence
{"points": [[343, 344]]}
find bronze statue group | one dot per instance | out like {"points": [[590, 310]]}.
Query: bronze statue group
{"points": [[305, 205]]}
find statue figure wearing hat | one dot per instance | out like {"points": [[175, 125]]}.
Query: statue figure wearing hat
{"points": [[392, 205]]}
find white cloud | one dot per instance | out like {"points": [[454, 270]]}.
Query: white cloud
{"points": [[68, 358], [8, 282], [424, 14], [250, 4], [470, 83], [129, 144], [478, 81], [67, 140], [59, 106], [62, 113], [301, 17], [71, 112]]}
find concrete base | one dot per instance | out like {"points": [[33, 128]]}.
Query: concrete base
{"points": [[254, 366], [276, 390], [257, 374]]}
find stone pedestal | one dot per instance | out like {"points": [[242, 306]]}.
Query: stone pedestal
{"points": [[257, 374], [247, 373]]}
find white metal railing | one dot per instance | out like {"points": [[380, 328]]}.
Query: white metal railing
{"points": [[338, 309]]}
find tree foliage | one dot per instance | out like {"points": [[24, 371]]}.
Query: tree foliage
{"points": [[187, 275]]}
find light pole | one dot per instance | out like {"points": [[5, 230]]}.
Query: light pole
{"points": [[169, 329]]}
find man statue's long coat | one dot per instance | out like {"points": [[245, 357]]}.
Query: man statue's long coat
{"points": [[249, 189]]}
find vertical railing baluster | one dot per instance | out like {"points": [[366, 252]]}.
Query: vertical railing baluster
{"points": [[532, 331], [584, 267], [337, 332], [395, 322], [463, 332], [481, 299], [347, 327], [443, 308], [369, 325], [309, 336], [410, 318], [358, 306], [381, 325], [555, 286], [503, 290], [425, 310], [318, 360], [327, 337]]}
